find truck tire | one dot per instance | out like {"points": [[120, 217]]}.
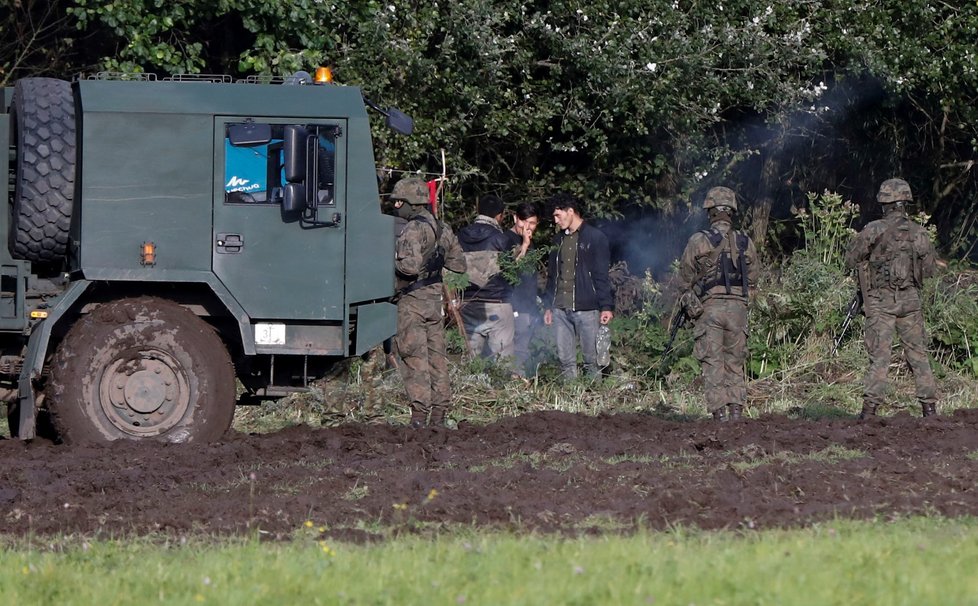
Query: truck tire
{"points": [[141, 368], [43, 117]]}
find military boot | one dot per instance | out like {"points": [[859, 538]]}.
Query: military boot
{"points": [[720, 415], [868, 411], [928, 409], [735, 412], [437, 417]]}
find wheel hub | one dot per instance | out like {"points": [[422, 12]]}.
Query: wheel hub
{"points": [[146, 393]]}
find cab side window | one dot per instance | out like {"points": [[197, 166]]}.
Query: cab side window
{"points": [[253, 170], [326, 169], [255, 158]]}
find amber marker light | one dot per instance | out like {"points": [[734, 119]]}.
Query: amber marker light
{"points": [[38, 314], [324, 75], [148, 254]]}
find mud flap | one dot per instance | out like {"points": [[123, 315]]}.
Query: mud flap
{"points": [[375, 323], [37, 347]]}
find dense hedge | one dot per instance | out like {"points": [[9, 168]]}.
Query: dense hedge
{"points": [[626, 102]]}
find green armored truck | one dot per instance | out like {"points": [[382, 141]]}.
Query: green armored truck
{"points": [[178, 246]]}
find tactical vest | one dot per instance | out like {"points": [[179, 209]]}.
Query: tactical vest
{"points": [[725, 267], [893, 261], [432, 262]]}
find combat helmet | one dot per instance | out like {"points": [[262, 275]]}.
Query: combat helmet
{"points": [[412, 190], [894, 190], [720, 196]]}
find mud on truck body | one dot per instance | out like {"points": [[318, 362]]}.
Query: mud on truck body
{"points": [[177, 247]]}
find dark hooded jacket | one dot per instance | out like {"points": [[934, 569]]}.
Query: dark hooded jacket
{"points": [[485, 235], [592, 288]]}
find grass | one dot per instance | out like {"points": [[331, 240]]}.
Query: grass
{"points": [[677, 461], [357, 492], [828, 455], [910, 561]]}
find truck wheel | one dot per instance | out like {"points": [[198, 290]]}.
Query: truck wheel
{"points": [[141, 368], [43, 117]]}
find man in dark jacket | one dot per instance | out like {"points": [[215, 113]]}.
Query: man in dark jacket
{"points": [[486, 310], [578, 296], [526, 309]]}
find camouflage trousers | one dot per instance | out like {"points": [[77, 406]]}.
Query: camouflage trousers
{"points": [[421, 345], [889, 312], [721, 347]]}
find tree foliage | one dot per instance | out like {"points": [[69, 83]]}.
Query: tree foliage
{"points": [[37, 39], [623, 102]]}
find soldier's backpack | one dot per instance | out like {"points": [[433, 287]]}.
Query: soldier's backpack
{"points": [[432, 261], [893, 261], [727, 264]]}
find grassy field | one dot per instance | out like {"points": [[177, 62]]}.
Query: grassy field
{"points": [[912, 561]]}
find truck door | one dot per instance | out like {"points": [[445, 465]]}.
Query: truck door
{"points": [[280, 265]]}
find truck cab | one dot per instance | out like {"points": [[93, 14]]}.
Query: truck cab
{"points": [[174, 247]]}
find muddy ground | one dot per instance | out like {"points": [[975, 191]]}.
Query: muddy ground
{"points": [[544, 471]]}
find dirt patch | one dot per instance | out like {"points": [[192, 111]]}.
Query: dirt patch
{"points": [[545, 471]]}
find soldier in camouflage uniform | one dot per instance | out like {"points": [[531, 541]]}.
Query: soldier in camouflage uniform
{"points": [[891, 257], [717, 270], [424, 247]]}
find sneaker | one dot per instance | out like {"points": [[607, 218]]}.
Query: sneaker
{"points": [[418, 419]]}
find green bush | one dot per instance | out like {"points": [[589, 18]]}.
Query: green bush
{"points": [[951, 314]]}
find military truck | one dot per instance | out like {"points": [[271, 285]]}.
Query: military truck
{"points": [[177, 246]]}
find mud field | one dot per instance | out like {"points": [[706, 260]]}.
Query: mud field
{"points": [[539, 472]]}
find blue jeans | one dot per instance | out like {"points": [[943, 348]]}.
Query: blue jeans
{"points": [[526, 326], [572, 327]]}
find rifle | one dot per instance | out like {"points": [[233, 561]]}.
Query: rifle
{"points": [[678, 321], [452, 305], [852, 310]]}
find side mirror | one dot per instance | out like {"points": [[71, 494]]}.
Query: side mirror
{"points": [[295, 153], [399, 122], [249, 134], [294, 199]]}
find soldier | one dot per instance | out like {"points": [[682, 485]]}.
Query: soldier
{"points": [[891, 257], [423, 248], [718, 270]]}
